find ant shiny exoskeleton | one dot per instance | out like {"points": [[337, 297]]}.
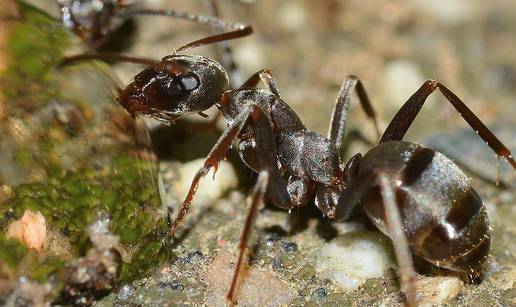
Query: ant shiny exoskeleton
{"points": [[415, 195]]}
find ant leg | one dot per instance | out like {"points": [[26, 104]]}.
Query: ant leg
{"points": [[266, 76], [267, 158], [259, 191], [399, 240], [236, 30], [217, 153], [408, 112], [341, 110]]}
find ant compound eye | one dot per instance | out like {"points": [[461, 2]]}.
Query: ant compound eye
{"points": [[181, 85], [189, 82]]}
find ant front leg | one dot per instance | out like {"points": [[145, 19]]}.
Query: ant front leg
{"points": [[217, 153], [408, 112], [266, 159], [341, 110], [398, 238]]}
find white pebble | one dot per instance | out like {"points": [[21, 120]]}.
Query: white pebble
{"points": [[352, 258], [209, 189]]}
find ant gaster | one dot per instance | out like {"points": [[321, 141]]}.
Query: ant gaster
{"points": [[415, 195]]}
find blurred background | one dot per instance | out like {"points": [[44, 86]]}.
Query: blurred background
{"points": [[393, 46]]}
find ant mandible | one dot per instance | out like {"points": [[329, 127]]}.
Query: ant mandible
{"points": [[415, 195]]}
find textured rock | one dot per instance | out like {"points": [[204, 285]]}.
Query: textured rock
{"points": [[257, 287]]}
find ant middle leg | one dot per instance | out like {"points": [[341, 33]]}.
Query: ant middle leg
{"points": [[406, 115], [341, 110]]}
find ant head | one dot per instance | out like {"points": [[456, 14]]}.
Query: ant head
{"points": [[178, 84]]}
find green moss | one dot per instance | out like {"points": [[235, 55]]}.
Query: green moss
{"points": [[71, 202], [108, 181], [33, 47], [11, 251], [146, 259], [23, 157]]}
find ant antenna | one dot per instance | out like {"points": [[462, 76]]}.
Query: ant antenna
{"points": [[239, 29], [245, 30], [106, 57]]}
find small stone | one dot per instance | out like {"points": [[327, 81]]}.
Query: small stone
{"points": [[174, 285], [31, 230], [277, 263], [292, 15], [256, 287], [272, 238], [354, 257], [125, 292], [210, 187], [289, 247], [306, 272], [400, 76], [437, 290], [193, 257], [319, 294], [448, 12]]}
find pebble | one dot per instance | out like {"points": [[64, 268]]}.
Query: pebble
{"points": [[433, 291], [402, 79], [448, 12], [256, 287], [277, 263], [352, 258], [125, 292], [174, 285], [209, 189], [319, 294], [289, 247]]}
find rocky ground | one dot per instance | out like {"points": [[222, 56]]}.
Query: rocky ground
{"points": [[300, 258]]}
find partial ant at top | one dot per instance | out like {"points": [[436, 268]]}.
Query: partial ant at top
{"points": [[415, 195], [96, 21]]}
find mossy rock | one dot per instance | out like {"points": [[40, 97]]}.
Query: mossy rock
{"points": [[72, 154]]}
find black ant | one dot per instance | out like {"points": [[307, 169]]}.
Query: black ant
{"points": [[415, 195]]}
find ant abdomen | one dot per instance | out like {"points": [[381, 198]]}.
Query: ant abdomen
{"points": [[443, 217]]}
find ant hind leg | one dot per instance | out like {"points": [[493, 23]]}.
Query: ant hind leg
{"points": [[408, 112], [399, 240], [259, 191]]}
